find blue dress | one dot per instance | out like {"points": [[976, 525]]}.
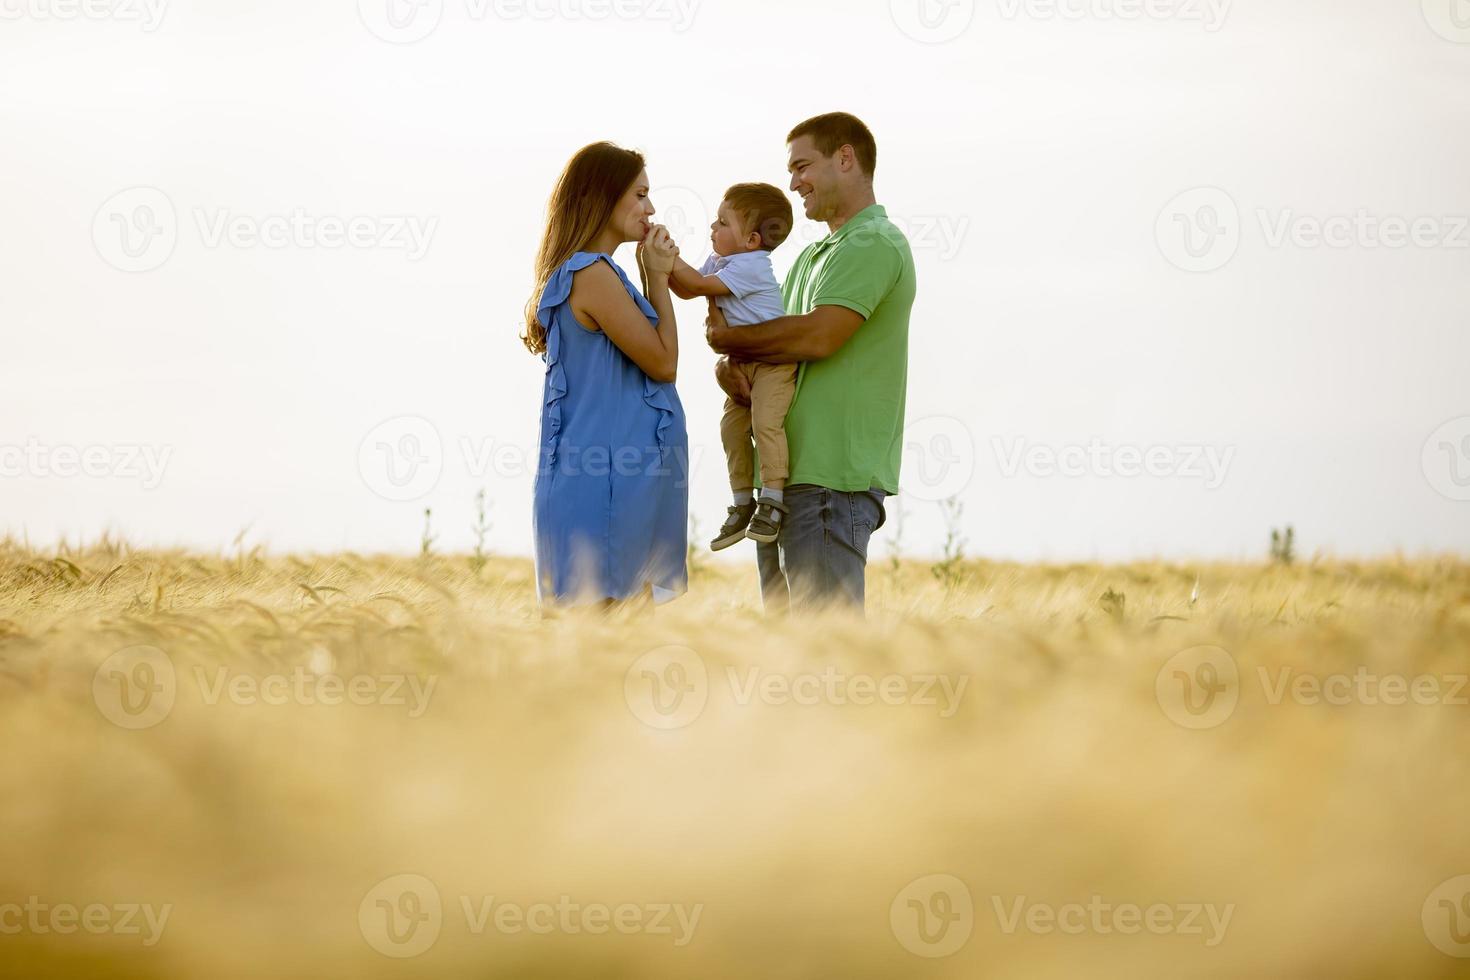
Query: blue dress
{"points": [[612, 485]]}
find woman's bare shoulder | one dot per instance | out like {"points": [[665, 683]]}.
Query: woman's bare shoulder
{"points": [[597, 289]]}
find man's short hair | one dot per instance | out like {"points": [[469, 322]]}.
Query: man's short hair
{"points": [[833, 131], [762, 208]]}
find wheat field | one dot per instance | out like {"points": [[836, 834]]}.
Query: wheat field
{"points": [[240, 765]]}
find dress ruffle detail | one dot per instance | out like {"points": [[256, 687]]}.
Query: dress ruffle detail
{"points": [[558, 291]]}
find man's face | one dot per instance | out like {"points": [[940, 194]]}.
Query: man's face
{"points": [[815, 178]]}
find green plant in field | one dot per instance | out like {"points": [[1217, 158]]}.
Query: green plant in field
{"points": [[1283, 545], [1115, 604], [948, 569], [426, 538], [480, 529]]}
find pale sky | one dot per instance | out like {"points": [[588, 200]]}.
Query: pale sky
{"points": [[1130, 338]]}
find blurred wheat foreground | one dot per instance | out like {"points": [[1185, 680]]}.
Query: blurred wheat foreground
{"points": [[359, 767]]}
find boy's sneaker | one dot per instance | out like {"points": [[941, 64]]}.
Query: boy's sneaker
{"points": [[765, 527], [734, 530]]}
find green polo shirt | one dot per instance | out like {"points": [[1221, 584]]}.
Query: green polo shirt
{"points": [[845, 426]]}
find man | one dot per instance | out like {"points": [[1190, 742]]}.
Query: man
{"points": [[848, 300]]}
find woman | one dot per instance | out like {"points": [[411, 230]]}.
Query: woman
{"points": [[612, 488]]}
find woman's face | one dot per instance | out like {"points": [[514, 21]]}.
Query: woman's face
{"points": [[631, 217]]}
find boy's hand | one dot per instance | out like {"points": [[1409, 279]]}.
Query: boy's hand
{"points": [[657, 252], [733, 382]]}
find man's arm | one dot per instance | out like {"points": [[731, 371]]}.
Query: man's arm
{"points": [[687, 283], [787, 340]]}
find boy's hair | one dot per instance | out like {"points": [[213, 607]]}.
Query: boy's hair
{"points": [[762, 208], [833, 131]]}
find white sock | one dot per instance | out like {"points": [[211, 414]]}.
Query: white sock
{"points": [[779, 496], [743, 497]]}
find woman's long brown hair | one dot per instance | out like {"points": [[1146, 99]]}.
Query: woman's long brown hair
{"points": [[581, 205]]}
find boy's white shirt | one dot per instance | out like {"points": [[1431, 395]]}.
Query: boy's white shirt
{"points": [[755, 295]]}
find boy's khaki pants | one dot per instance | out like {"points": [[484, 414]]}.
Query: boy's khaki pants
{"points": [[771, 389]]}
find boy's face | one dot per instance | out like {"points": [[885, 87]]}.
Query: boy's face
{"points": [[727, 235]]}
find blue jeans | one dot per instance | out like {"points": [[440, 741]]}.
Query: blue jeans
{"points": [[821, 557]]}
